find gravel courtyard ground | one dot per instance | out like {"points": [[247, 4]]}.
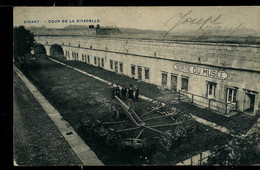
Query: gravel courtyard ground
{"points": [[36, 139], [74, 94], [240, 123]]}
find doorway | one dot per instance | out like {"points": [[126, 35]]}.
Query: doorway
{"points": [[249, 104], [139, 73], [173, 82]]}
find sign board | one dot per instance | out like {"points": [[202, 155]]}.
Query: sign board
{"points": [[208, 72]]}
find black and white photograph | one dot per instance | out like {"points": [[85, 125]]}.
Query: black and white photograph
{"points": [[136, 86]]}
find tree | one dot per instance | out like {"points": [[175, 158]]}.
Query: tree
{"points": [[23, 41], [23, 44]]}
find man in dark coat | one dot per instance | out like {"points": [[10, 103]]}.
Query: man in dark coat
{"points": [[136, 89], [112, 88], [117, 90], [130, 92], [123, 92]]}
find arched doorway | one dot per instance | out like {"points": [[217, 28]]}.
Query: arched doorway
{"points": [[56, 51], [39, 49]]}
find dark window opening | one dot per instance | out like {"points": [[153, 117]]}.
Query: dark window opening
{"points": [[164, 78], [121, 68], [184, 83], [98, 62], [133, 70], [116, 66], [146, 73], [111, 64], [102, 62], [95, 60]]}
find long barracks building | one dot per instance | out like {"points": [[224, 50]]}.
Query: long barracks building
{"points": [[223, 77]]}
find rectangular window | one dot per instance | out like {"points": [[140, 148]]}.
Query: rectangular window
{"points": [[164, 78], [98, 62], [95, 60], [139, 72], [133, 70], [116, 66], [211, 89], [121, 67], [184, 83], [102, 62], [88, 59], [111, 64], [231, 95], [146, 73], [82, 57], [77, 56]]}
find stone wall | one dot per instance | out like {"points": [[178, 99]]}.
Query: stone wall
{"points": [[224, 55], [240, 65]]}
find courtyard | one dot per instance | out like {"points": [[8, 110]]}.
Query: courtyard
{"points": [[74, 95]]}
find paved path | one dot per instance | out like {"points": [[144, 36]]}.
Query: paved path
{"points": [[36, 139], [196, 118], [195, 160], [85, 154]]}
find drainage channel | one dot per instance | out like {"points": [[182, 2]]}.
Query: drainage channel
{"points": [[83, 151]]}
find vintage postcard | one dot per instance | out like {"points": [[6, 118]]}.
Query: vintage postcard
{"points": [[145, 86]]}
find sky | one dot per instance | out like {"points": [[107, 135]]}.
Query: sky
{"points": [[153, 18]]}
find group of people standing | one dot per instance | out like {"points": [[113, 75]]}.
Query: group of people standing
{"points": [[130, 92]]}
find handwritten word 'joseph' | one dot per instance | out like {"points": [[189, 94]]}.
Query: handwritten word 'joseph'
{"points": [[206, 25]]}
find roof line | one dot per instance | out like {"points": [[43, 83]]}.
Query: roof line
{"points": [[188, 62]]}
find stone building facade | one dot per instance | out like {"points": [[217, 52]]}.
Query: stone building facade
{"points": [[224, 77]]}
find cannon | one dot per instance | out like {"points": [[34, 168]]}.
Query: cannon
{"points": [[126, 120]]}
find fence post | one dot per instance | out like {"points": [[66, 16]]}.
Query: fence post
{"points": [[209, 103], [191, 161]]}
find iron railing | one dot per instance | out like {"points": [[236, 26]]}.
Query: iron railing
{"points": [[209, 103]]}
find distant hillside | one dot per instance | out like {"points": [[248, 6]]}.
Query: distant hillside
{"points": [[81, 30], [76, 27]]}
